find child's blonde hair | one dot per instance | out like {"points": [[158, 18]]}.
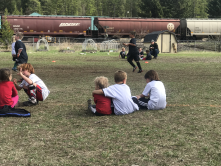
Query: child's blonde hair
{"points": [[152, 75], [13, 39], [119, 76], [123, 48], [20, 35], [5, 74], [101, 82], [26, 66]]}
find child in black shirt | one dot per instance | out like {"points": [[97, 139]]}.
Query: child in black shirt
{"points": [[20, 49], [133, 53]]}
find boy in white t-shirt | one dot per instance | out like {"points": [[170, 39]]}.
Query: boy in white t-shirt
{"points": [[120, 94], [154, 91], [32, 85]]}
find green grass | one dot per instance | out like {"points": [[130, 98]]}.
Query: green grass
{"points": [[62, 132]]}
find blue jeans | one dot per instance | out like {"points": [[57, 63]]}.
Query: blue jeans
{"points": [[154, 52]]}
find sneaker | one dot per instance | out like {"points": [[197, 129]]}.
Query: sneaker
{"points": [[134, 68], [14, 69], [140, 71]]}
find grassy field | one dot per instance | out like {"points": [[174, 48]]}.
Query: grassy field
{"points": [[62, 132]]}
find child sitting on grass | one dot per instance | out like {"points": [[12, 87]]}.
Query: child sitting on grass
{"points": [[33, 86], [120, 94], [148, 57], [8, 94], [103, 104], [154, 91], [122, 53]]}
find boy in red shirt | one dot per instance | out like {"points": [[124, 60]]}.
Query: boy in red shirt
{"points": [[103, 104], [8, 95]]}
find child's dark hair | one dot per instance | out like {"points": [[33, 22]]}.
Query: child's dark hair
{"points": [[133, 33], [152, 75], [147, 50], [5, 74], [26, 66]]}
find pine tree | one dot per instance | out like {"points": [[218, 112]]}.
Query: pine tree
{"points": [[16, 12], [6, 32], [151, 8], [214, 9]]}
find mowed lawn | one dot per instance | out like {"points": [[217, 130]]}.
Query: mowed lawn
{"points": [[61, 131]]}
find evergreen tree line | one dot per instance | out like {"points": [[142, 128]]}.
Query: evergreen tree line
{"points": [[116, 8]]}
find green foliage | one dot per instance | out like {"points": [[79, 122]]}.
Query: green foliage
{"points": [[117, 8], [214, 9], [6, 32]]}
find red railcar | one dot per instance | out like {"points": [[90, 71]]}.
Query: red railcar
{"points": [[50, 26], [142, 26]]}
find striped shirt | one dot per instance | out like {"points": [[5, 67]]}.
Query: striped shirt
{"points": [[121, 97]]}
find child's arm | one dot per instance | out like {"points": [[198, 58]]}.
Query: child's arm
{"points": [[14, 91], [140, 96], [19, 52], [16, 85], [98, 92], [28, 80]]}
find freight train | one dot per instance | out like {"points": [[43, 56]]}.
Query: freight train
{"points": [[94, 26]]}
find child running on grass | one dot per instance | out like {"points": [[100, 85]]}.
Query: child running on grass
{"points": [[154, 91], [103, 104], [33, 86], [8, 94], [133, 53], [120, 94]]}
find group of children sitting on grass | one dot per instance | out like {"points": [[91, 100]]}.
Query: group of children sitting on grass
{"points": [[33, 86], [123, 54], [116, 99]]}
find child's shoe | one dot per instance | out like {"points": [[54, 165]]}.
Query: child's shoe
{"points": [[14, 69], [134, 68], [140, 71], [30, 102]]}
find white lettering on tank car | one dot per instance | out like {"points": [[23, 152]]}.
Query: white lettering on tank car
{"points": [[16, 26], [170, 26], [69, 24]]}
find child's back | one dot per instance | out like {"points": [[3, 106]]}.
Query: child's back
{"points": [[121, 97], [103, 104], [157, 95], [8, 94]]}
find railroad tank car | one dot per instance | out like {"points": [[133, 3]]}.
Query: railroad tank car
{"points": [[202, 28], [196, 29], [123, 26], [50, 26]]}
